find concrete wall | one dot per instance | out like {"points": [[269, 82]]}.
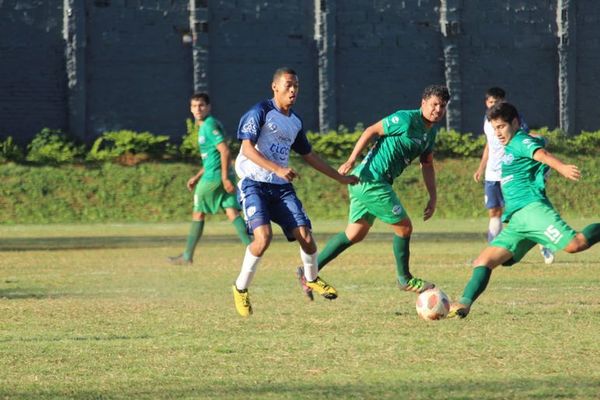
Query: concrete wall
{"points": [[135, 68]]}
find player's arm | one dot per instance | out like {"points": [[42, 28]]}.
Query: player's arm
{"points": [[191, 183], [225, 162], [484, 159], [373, 131], [428, 172], [256, 157], [569, 171], [317, 163]]}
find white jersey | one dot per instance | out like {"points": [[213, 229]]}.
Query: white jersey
{"points": [[493, 168], [273, 134]]}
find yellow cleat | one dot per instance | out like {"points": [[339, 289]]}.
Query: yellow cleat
{"points": [[242, 302], [322, 288], [416, 285], [458, 310]]}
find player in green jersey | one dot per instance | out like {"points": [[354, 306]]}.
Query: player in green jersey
{"points": [[530, 215], [399, 138], [213, 185]]}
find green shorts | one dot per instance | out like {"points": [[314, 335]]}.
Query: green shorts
{"points": [[210, 197], [535, 223], [370, 200]]}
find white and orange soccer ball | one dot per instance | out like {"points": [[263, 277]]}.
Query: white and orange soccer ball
{"points": [[433, 304]]}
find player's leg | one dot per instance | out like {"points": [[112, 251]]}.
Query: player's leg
{"points": [[494, 202], [194, 235], [589, 236], [233, 214], [308, 255], [354, 233], [483, 265]]}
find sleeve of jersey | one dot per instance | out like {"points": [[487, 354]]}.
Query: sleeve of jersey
{"points": [[215, 133], [528, 145], [301, 144], [395, 124], [250, 123]]}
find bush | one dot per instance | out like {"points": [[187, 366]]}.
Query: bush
{"points": [[129, 147], [53, 146], [10, 151], [450, 143], [189, 143]]}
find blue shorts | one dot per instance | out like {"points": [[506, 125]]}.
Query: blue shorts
{"points": [[493, 195], [265, 202]]}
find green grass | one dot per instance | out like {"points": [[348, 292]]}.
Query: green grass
{"points": [[94, 312]]}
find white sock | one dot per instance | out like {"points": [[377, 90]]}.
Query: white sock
{"points": [[311, 269], [494, 228], [248, 270]]}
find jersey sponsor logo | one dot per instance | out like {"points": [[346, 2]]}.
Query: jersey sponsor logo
{"points": [[397, 210], [553, 234], [249, 127], [279, 151], [395, 119]]}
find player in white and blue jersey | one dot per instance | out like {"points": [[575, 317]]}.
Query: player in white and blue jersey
{"points": [[268, 132], [491, 163]]}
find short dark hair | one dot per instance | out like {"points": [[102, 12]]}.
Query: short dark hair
{"points": [[504, 111], [440, 91], [200, 96], [282, 71], [495, 92]]}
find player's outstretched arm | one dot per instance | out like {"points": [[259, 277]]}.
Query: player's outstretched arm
{"points": [[569, 171], [317, 163], [256, 157], [371, 132], [428, 172]]}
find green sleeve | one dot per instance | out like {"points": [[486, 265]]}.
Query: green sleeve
{"points": [[396, 123], [527, 145], [213, 132]]}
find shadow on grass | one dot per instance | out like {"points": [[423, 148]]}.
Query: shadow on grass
{"points": [[105, 242], [28, 293], [543, 388]]}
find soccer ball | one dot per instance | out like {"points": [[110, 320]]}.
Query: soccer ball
{"points": [[433, 304]]}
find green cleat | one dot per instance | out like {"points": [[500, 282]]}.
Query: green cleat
{"points": [[322, 288], [179, 260], [242, 301], [416, 285], [458, 310], [302, 279]]}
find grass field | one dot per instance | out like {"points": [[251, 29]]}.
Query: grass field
{"points": [[94, 312]]}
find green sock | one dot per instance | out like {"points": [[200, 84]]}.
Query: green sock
{"points": [[193, 237], [476, 285], [240, 228], [402, 254], [333, 248], [592, 234]]}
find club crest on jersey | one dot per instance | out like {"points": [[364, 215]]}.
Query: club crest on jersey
{"points": [[397, 210], [272, 126], [508, 159], [201, 140]]}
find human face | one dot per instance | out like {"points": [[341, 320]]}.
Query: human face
{"points": [[199, 109], [285, 91], [433, 109], [505, 130], [491, 101]]}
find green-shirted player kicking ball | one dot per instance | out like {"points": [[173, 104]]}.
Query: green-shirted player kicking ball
{"points": [[530, 215], [400, 138], [213, 186]]}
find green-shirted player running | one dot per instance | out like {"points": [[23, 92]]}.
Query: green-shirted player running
{"points": [[530, 215], [400, 138], [213, 185]]}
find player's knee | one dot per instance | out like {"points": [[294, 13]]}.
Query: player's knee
{"points": [[579, 243]]}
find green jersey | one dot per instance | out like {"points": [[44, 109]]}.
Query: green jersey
{"points": [[210, 135], [523, 178], [405, 138]]}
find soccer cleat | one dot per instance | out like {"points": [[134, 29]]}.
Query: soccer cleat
{"points": [[302, 279], [458, 310], [242, 301], [179, 260], [322, 288], [416, 285], [547, 254]]}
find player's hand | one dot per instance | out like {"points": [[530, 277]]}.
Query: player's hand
{"points": [[228, 186], [429, 210], [287, 173], [191, 183], [346, 167], [348, 179], [477, 176], [570, 172]]}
